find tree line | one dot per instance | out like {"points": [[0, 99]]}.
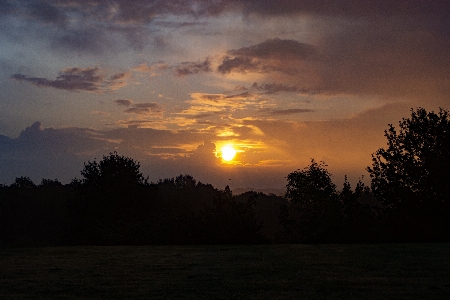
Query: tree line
{"points": [[114, 204]]}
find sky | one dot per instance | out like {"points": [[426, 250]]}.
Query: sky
{"points": [[169, 83]]}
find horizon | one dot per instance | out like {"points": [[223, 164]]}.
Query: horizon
{"points": [[170, 83]]}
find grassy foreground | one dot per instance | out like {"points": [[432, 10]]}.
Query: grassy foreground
{"points": [[380, 271]]}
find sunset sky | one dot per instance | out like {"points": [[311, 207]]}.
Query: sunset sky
{"points": [[169, 83]]}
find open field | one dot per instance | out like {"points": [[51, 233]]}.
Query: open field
{"points": [[380, 271]]}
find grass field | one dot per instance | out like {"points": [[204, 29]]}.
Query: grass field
{"points": [[380, 271]]}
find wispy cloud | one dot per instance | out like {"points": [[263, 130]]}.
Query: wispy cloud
{"points": [[285, 112], [151, 108], [275, 88], [79, 79]]}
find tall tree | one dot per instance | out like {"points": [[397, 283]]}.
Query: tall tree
{"points": [[111, 193], [411, 176], [112, 171], [314, 212]]}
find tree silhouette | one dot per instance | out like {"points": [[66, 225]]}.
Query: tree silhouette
{"points": [[314, 213], [23, 182], [111, 171], [411, 177], [110, 198], [359, 220]]}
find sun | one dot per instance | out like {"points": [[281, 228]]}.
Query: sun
{"points": [[228, 152]]}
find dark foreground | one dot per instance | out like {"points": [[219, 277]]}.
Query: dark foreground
{"points": [[380, 271]]}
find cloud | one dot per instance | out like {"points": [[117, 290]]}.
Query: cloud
{"points": [[142, 108], [79, 79], [358, 59], [285, 112], [143, 68], [268, 56], [354, 9], [272, 48], [47, 13], [219, 106], [146, 11], [345, 145], [189, 68], [275, 88], [48, 153], [123, 102]]}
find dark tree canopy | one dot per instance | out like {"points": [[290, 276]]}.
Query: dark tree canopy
{"points": [[314, 211], [411, 176], [23, 182], [416, 163], [112, 170], [307, 185]]}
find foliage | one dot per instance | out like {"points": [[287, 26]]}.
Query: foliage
{"points": [[228, 221], [23, 182], [318, 213], [411, 176], [111, 171], [314, 212], [114, 204], [310, 185]]}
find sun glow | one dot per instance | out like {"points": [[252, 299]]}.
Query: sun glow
{"points": [[228, 152]]}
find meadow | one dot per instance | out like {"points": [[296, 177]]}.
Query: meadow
{"points": [[335, 271]]}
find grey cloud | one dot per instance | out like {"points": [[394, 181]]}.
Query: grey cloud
{"points": [[59, 153], [270, 55], [78, 79], [238, 64], [49, 153], [85, 40], [144, 108], [189, 68], [274, 88], [47, 13], [146, 11], [123, 102], [285, 112], [119, 76], [360, 60], [273, 48], [360, 8]]}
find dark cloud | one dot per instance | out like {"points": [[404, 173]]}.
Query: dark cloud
{"points": [[189, 68], [285, 112], [347, 8], [48, 13], [123, 102], [84, 40], [238, 64], [273, 48], [7, 7], [119, 76], [274, 88], [364, 59], [268, 56], [49, 153], [59, 153], [146, 11], [143, 108], [78, 79]]}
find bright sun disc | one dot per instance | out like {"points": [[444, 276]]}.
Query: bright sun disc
{"points": [[228, 152]]}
